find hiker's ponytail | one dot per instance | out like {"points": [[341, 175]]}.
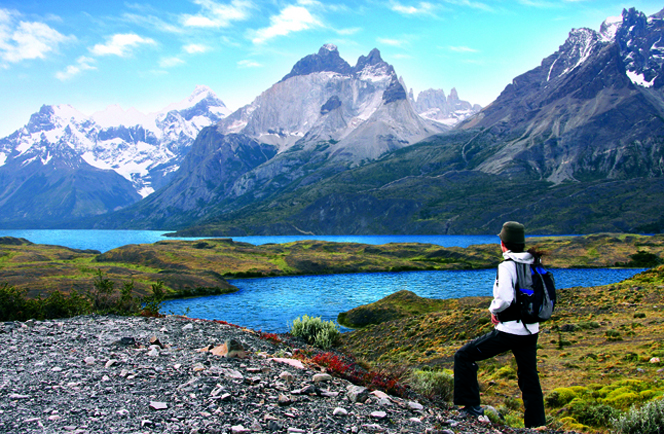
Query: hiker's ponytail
{"points": [[537, 253]]}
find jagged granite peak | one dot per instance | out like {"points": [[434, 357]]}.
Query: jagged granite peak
{"points": [[642, 48], [592, 110], [327, 59], [298, 109], [449, 110], [372, 59]]}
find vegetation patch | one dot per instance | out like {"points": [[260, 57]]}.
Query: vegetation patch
{"points": [[599, 356]]}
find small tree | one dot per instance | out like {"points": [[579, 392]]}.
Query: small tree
{"points": [[152, 302]]}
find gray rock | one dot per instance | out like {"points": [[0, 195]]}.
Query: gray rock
{"points": [[357, 393]]}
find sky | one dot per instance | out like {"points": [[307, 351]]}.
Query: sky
{"points": [[147, 54]]}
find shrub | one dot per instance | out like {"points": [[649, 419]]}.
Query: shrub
{"points": [[58, 305], [648, 419], [506, 372], [13, 304], [622, 399], [591, 413], [315, 331], [438, 384], [586, 325], [152, 302], [102, 294], [612, 335], [560, 396]]}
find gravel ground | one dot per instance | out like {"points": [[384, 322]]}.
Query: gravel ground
{"points": [[102, 374]]}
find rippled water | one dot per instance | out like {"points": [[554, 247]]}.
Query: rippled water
{"points": [[271, 304]]}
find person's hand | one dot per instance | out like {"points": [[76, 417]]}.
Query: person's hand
{"points": [[494, 320]]}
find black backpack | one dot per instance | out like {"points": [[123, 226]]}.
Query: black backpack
{"points": [[535, 297]]}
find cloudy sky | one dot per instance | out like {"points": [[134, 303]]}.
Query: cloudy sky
{"points": [[147, 54]]}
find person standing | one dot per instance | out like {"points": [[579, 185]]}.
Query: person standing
{"points": [[507, 335]]}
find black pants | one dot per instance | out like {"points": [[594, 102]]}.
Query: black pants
{"points": [[524, 348]]}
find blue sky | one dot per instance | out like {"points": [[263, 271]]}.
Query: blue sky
{"points": [[147, 54]]}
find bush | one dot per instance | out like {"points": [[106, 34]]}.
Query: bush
{"points": [[506, 372], [58, 305], [612, 335], [152, 303], [103, 299], [591, 413], [315, 331], [560, 396], [13, 304], [648, 419], [431, 384]]}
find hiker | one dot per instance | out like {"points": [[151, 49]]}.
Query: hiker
{"points": [[514, 336]]}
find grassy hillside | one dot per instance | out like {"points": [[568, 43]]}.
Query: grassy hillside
{"points": [[187, 265], [602, 352]]}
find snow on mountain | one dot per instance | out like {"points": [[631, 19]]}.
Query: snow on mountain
{"points": [[324, 99], [143, 148], [638, 37], [641, 47]]}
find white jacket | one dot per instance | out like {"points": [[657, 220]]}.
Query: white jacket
{"points": [[503, 293]]}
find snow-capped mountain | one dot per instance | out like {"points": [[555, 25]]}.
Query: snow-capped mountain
{"points": [[324, 99], [63, 164], [591, 110], [321, 118], [143, 148]]}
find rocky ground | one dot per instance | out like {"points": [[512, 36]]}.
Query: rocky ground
{"points": [[101, 374]]}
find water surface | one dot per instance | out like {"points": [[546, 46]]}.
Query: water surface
{"points": [[271, 304]]}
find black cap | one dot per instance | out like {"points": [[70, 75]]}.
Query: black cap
{"points": [[513, 232]]}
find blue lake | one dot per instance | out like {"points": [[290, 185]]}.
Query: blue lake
{"points": [[271, 304], [104, 240]]}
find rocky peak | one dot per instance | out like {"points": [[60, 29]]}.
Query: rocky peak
{"points": [[371, 60], [453, 96], [327, 59], [609, 28], [42, 120], [641, 49], [578, 47]]}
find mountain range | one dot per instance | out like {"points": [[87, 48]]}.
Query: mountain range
{"points": [[134, 154], [572, 146]]}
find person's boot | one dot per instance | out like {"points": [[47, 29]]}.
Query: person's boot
{"points": [[473, 411]]}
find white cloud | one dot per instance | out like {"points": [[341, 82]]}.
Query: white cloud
{"points": [[463, 49], [24, 40], [169, 62], [82, 64], [423, 8], [120, 44], [392, 42], [152, 22], [249, 64], [215, 14], [291, 19], [538, 3], [195, 48], [348, 32], [470, 4]]}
